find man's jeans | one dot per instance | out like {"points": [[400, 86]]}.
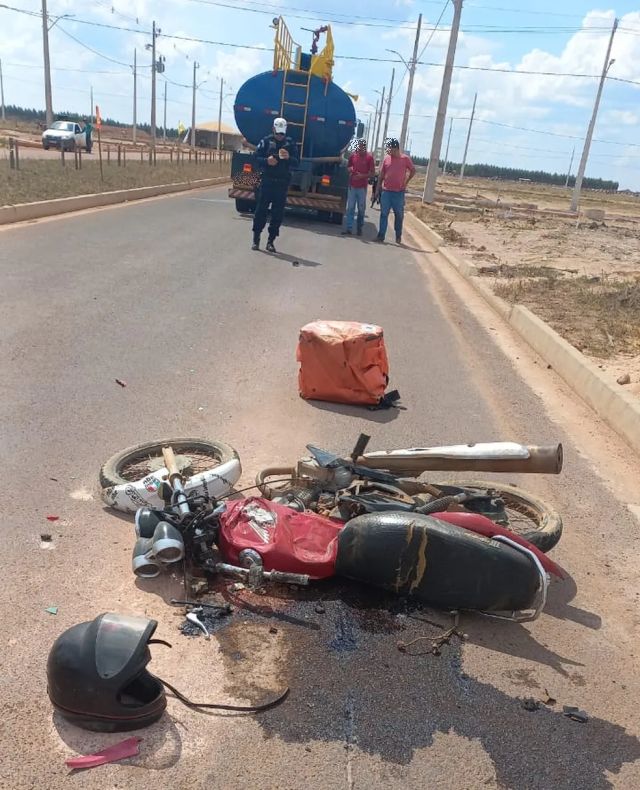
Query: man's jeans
{"points": [[357, 197], [388, 201]]}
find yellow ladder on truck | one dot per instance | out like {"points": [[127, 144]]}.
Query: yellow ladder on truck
{"points": [[296, 90]]}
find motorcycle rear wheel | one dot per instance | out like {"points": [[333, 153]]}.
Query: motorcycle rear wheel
{"points": [[528, 516]]}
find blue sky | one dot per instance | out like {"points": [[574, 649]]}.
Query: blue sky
{"points": [[552, 111]]}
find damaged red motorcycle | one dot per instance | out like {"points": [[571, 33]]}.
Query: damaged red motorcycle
{"points": [[371, 517]]}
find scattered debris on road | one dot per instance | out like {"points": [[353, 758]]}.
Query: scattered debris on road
{"points": [[121, 382], [53, 518], [575, 714], [531, 704], [51, 610], [192, 617], [436, 642], [548, 699], [624, 379], [119, 751]]}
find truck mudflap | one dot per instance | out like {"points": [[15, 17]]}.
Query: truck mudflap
{"points": [[319, 202]]}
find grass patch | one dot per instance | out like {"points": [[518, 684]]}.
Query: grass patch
{"points": [[47, 179], [598, 315]]}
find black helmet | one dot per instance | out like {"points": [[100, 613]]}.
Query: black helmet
{"points": [[97, 676]]}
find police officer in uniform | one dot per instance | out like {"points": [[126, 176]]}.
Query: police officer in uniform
{"points": [[277, 155]]}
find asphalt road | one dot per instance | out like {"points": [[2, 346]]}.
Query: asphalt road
{"points": [[167, 296]]}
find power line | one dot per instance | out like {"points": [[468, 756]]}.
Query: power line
{"points": [[91, 49], [485, 29], [61, 68]]}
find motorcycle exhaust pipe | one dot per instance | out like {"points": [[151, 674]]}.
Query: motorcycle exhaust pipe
{"points": [[482, 457]]}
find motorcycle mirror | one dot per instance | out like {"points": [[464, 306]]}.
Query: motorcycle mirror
{"points": [[323, 457], [360, 446]]}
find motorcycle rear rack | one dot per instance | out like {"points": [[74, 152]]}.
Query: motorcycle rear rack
{"points": [[541, 597]]}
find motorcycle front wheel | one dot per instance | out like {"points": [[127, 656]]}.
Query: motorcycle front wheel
{"points": [[135, 463]]}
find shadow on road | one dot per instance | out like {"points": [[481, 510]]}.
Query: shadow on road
{"points": [[351, 683], [381, 416], [161, 748], [294, 260]]}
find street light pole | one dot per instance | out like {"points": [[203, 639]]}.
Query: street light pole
{"points": [[446, 153], [220, 117], [466, 145], [412, 71], [192, 141], [4, 117], [573, 153], [434, 158], [375, 148], [47, 65], [592, 123], [164, 118], [389, 99], [135, 95], [372, 130]]}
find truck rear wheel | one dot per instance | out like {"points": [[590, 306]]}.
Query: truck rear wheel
{"points": [[245, 206]]}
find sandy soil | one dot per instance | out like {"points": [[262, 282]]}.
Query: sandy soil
{"points": [[580, 275]]}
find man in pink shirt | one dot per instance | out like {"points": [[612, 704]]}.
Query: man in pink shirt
{"points": [[396, 172], [361, 168]]}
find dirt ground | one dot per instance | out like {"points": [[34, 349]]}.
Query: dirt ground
{"points": [[44, 180], [580, 275]]}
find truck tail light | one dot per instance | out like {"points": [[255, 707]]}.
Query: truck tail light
{"points": [[325, 181], [247, 168]]}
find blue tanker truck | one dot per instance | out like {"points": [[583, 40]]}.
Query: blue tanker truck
{"points": [[321, 120]]}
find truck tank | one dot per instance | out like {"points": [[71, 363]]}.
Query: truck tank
{"points": [[330, 116]]}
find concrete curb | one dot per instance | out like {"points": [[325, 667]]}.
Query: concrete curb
{"points": [[22, 212], [433, 238], [617, 408]]}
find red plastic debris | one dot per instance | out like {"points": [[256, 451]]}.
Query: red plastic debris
{"points": [[121, 382], [53, 518], [119, 751]]}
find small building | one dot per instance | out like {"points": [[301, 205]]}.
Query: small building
{"points": [[207, 136]]}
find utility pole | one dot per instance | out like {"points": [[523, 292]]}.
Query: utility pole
{"points": [[466, 145], [47, 65], [446, 153], [608, 62], [220, 117], [573, 152], [389, 99], [375, 127], [412, 71], [379, 121], [91, 113], [135, 95], [4, 117], [434, 158], [164, 117], [154, 66], [192, 141]]}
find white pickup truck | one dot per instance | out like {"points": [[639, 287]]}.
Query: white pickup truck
{"points": [[65, 135]]}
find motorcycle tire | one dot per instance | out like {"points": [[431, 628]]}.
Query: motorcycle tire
{"points": [[529, 517], [439, 564], [111, 473]]}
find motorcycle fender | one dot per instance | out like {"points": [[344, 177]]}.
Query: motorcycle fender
{"points": [[128, 497]]}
